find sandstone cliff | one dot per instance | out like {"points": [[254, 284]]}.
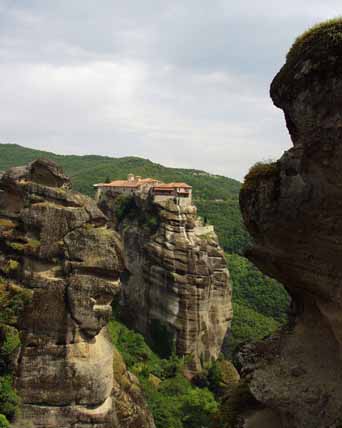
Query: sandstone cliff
{"points": [[292, 209], [55, 244], [178, 292]]}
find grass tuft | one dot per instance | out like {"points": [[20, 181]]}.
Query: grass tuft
{"points": [[260, 170], [324, 35]]}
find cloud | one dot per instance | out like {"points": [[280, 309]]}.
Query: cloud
{"points": [[182, 83]]}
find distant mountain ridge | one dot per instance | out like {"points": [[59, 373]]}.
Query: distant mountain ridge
{"points": [[215, 196]]}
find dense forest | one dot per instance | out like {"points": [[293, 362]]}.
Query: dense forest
{"points": [[260, 304], [213, 398]]}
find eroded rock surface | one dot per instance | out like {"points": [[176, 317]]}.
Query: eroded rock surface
{"points": [[292, 209], [56, 243], [178, 293]]}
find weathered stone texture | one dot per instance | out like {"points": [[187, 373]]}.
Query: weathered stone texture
{"points": [[293, 210], [178, 293], [59, 247]]}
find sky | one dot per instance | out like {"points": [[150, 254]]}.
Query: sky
{"points": [[184, 83]]}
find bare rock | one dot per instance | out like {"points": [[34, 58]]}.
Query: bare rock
{"points": [[178, 291], [292, 209], [55, 243]]}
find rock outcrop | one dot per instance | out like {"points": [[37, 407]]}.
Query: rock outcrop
{"points": [[56, 244], [178, 293], [292, 209]]}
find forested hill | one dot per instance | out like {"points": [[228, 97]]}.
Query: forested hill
{"points": [[215, 196]]}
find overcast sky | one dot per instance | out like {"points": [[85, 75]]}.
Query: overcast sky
{"points": [[182, 82]]}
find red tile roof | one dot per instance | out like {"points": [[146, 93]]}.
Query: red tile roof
{"points": [[133, 184], [128, 183]]}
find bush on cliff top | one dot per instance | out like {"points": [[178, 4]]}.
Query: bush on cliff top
{"points": [[323, 36], [258, 171]]}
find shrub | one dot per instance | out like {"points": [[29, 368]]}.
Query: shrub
{"points": [[124, 205], [172, 399], [13, 299], [4, 422], [164, 410], [17, 246], [138, 356], [9, 342], [151, 220], [8, 397], [327, 34], [11, 267], [198, 408], [12, 302], [261, 170]]}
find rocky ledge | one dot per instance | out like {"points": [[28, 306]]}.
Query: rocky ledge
{"points": [[292, 209], [55, 244]]}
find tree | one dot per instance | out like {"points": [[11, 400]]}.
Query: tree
{"points": [[198, 408]]}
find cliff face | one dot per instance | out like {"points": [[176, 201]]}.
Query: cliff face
{"points": [[55, 243], [178, 292], [292, 209]]}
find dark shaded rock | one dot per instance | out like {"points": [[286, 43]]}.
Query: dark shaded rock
{"points": [[293, 214]]}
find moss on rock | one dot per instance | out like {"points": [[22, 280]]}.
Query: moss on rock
{"points": [[325, 36], [30, 247], [9, 341], [12, 301], [260, 171], [10, 267], [6, 224], [317, 52]]}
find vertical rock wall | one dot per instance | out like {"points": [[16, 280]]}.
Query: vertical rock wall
{"points": [[178, 292], [56, 244], [292, 209]]}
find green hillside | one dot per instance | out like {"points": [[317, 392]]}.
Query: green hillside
{"points": [[216, 196]]}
